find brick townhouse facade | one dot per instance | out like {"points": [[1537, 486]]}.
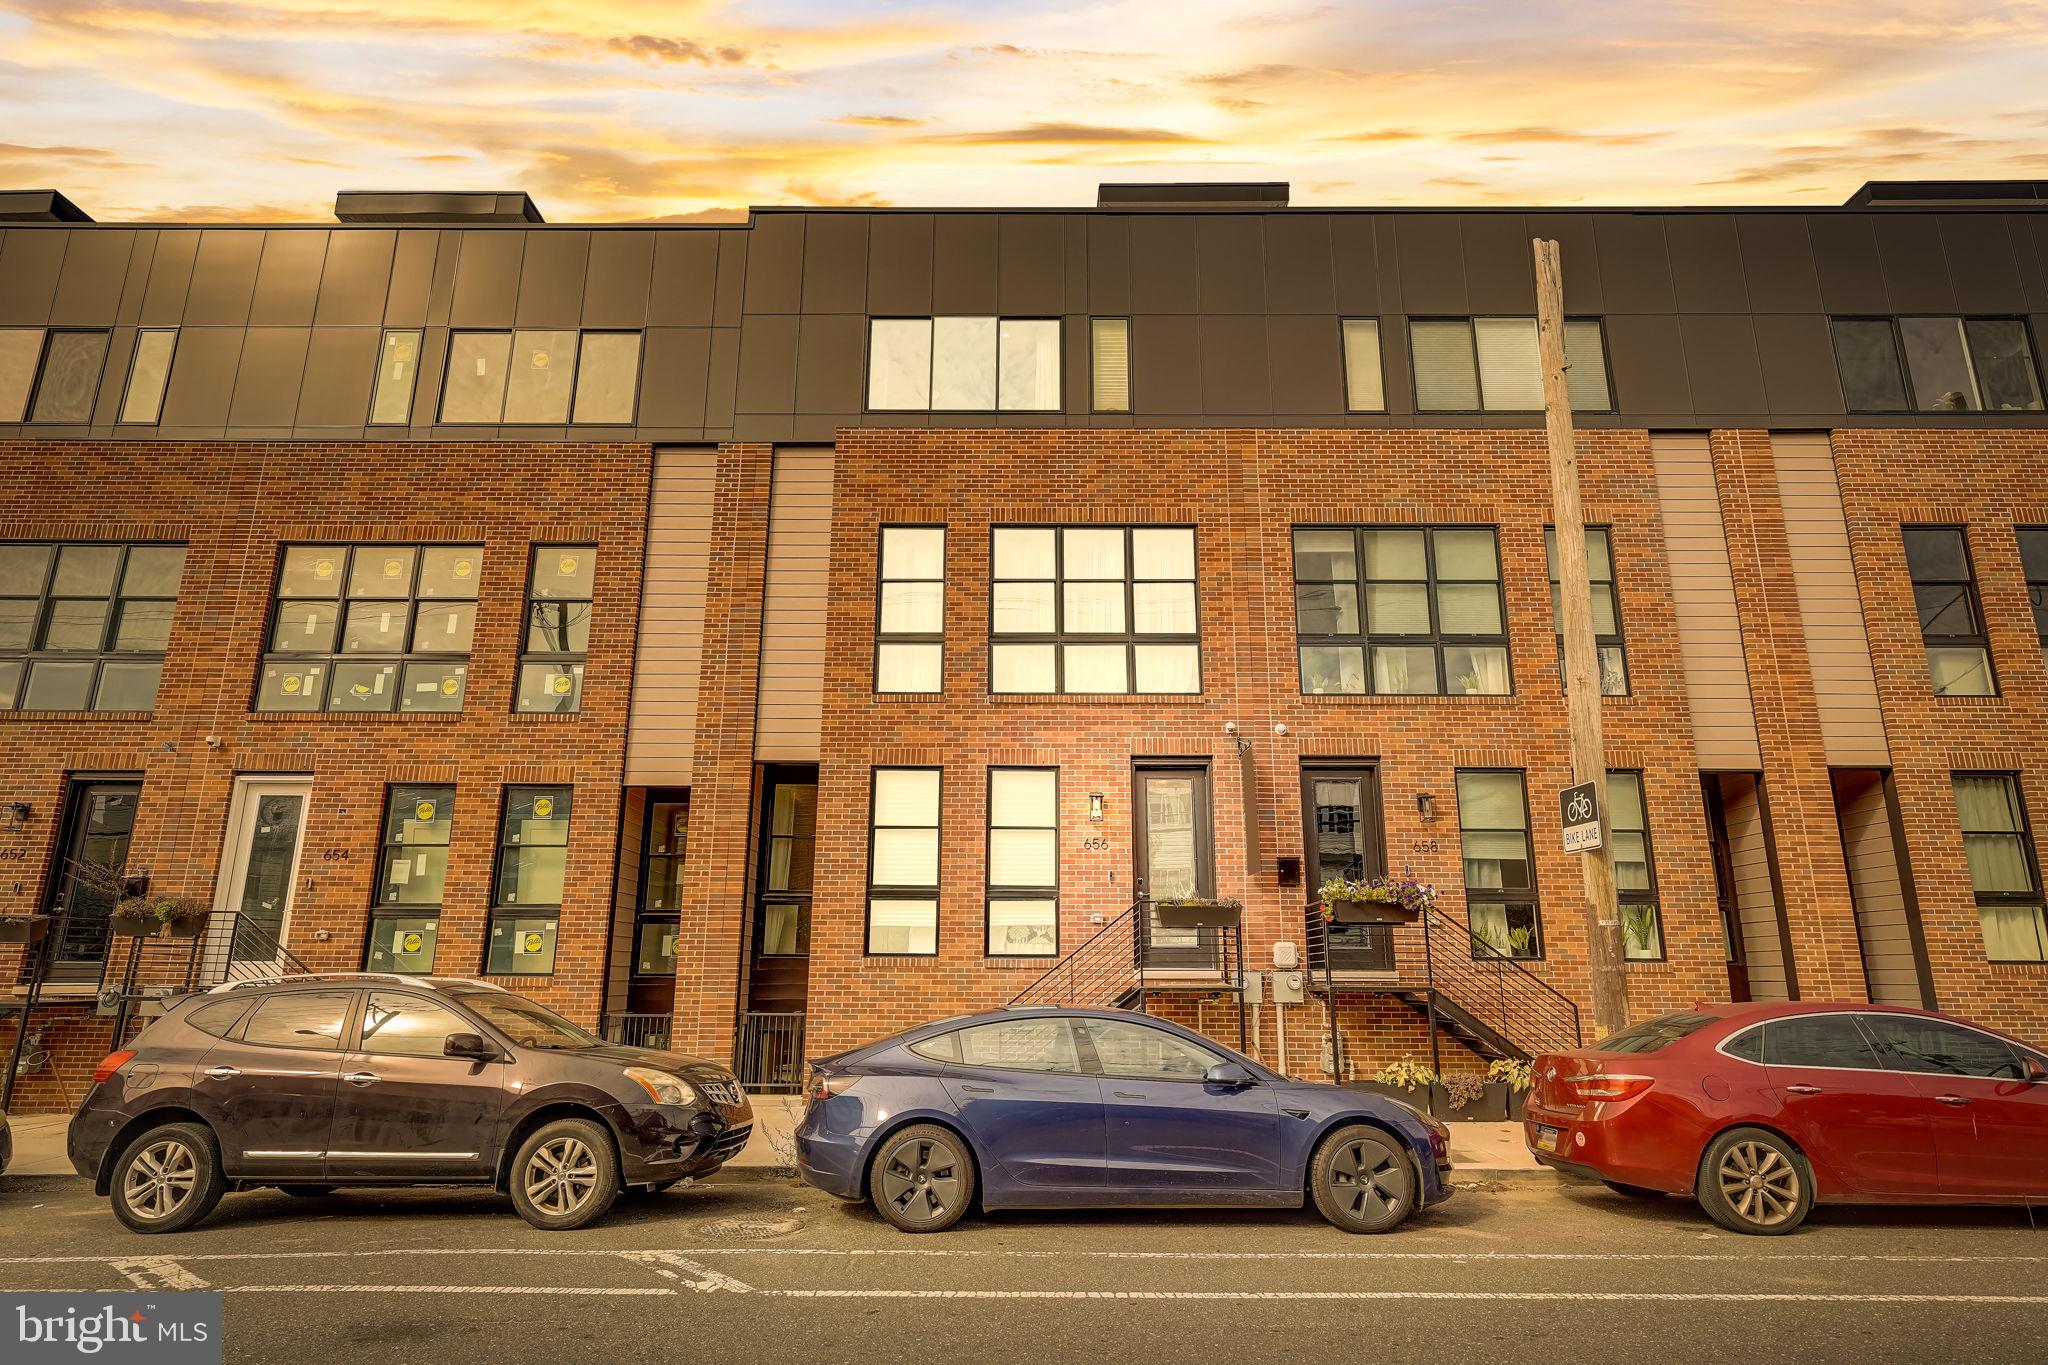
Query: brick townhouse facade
{"points": [[849, 617]]}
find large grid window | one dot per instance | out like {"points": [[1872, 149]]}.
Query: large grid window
{"points": [[1951, 616], [51, 376], [526, 900], [371, 628], [560, 584], [540, 378], [1492, 365], [963, 364], [2003, 870], [1635, 873], [1023, 862], [1613, 658], [1500, 876], [1936, 364], [903, 862], [412, 873], [83, 626], [2034, 561], [910, 616], [1413, 610], [1094, 609], [666, 840]]}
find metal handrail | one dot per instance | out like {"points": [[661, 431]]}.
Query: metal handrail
{"points": [[1480, 950]]}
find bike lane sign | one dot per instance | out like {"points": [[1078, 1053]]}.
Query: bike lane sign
{"points": [[1579, 809]]}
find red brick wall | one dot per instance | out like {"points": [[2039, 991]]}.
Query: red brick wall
{"points": [[233, 504]]}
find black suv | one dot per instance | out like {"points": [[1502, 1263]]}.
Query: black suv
{"points": [[312, 1082]]}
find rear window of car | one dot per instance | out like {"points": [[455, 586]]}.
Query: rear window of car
{"points": [[218, 1018], [1652, 1035], [941, 1047]]}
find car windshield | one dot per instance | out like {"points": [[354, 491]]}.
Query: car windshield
{"points": [[528, 1024], [1654, 1034]]}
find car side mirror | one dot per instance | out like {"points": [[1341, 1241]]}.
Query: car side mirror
{"points": [[472, 1047], [2036, 1073], [1228, 1074]]}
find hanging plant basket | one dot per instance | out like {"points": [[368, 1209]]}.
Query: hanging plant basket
{"points": [[24, 928], [1198, 913], [1376, 900], [177, 926]]}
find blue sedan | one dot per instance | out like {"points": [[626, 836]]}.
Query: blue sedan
{"points": [[1075, 1108]]}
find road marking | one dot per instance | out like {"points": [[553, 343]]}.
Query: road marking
{"points": [[701, 1278], [157, 1272], [641, 1292], [1562, 1295], [1769, 1258]]}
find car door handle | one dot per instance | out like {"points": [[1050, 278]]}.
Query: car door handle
{"points": [[1957, 1100], [362, 1078], [979, 1089], [1802, 1090], [222, 1073], [1128, 1095]]}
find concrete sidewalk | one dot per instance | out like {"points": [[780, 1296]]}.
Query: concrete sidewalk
{"points": [[1481, 1150]]}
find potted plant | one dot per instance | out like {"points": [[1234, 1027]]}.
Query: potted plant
{"points": [[1197, 912], [1472, 1099], [17, 928], [1399, 1079], [1376, 900], [1515, 1076], [163, 915]]}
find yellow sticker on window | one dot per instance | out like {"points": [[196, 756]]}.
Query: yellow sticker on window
{"points": [[393, 567], [532, 943], [449, 684], [290, 683], [543, 807], [463, 568], [423, 811], [411, 943], [568, 565], [561, 684], [323, 568]]}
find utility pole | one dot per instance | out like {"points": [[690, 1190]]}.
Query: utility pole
{"points": [[1581, 659]]}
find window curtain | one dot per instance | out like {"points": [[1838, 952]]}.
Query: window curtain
{"points": [[2014, 933]]}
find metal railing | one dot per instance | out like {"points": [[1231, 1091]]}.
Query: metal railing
{"points": [[768, 1051], [639, 1030], [1117, 966], [1098, 974]]}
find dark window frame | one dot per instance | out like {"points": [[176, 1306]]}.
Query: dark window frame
{"points": [[1201, 956], [904, 891], [116, 601], [1379, 332], [1616, 640], [1650, 895], [1130, 637], [1510, 897], [1597, 320], [1352, 947], [1368, 639], [498, 910], [2034, 568], [511, 335], [1972, 598], [1982, 900], [35, 388], [883, 637], [867, 343], [992, 890], [382, 911], [384, 336], [1904, 371], [643, 913], [775, 776], [1094, 379], [576, 662]]}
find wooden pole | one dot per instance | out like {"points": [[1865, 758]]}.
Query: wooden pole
{"points": [[1581, 659]]}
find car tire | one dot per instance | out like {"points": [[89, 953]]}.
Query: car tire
{"points": [[307, 1191], [1633, 1191], [565, 1175], [1363, 1181], [1753, 1181], [167, 1179], [922, 1179]]}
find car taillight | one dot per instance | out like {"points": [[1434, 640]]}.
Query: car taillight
{"points": [[1603, 1085], [112, 1063], [824, 1087]]}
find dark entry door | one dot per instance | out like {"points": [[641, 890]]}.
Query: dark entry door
{"points": [[1343, 836], [1724, 888], [1176, 856], [99, 819]]}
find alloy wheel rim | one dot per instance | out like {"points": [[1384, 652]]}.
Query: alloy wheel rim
{"points": [[160, 1180], [1760, 1183], [1368, 1180], [561, 1176], [921, 1179]]}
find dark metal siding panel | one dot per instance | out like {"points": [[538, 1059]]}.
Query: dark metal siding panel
{"points": [[729, 293], [835, 263], [1031, 265], [767, 379], [1400, 384], [1076, 369], [223, 278], [828, 363], [29, 267], [89, 287], [964, 263], [1109, 266], [1845, 256], [355, 278], [113, 379], [1074, 228], [1166, 366], [202, 379], [1500, 267], [616, 284], [2030, 240], [341, 366], [1300, 273], [136, 276], [267, 382], [1635, 264], [1306, 365], [775, 264], [1706, 263], [722, 379], [1777, 262], [1230, 258], [170, 278], [1909, 248], [441, 293], [551, 275], [288, 278], [900, 265], [1797, 355], [1721, 363], [1234, 366], [686, 279], [674, 364], [426, 393], [1647, 363], [486, 278], [1981, 263], [1163, 264], [1432, 264], [1578, 250], [1356, 243], [412, 279]]}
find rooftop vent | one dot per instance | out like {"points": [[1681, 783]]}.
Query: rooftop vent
{"points": [[426, 206], [1937, 193], [39, 206], [1230, 194]]}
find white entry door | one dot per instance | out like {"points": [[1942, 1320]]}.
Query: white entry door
{"points": [[260, 864]]}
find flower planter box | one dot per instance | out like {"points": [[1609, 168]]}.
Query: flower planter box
{"points": [[1371, 912], [24, 928], [1197, 914], [1496, 1104], [1518, 1105], [182, 926]]}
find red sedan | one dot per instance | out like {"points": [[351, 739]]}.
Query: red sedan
{"points": [[1760, 1111]]}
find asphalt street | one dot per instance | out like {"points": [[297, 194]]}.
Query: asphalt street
{"points": [[767, 1270]]}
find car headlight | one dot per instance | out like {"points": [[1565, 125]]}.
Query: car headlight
{"points": [[663, 1087]]}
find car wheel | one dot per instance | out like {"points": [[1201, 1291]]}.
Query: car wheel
{"points": [[922, 1179], [565, 1175], [1633, 1191], [1362, 1180], [1756, 1182], [307, 1191], [168, 1179]]}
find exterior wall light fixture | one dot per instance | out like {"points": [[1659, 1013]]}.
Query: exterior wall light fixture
{"points": [[1425, 806], [1095, 807]]}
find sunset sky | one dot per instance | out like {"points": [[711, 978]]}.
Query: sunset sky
{"points": [[691, 109]]}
